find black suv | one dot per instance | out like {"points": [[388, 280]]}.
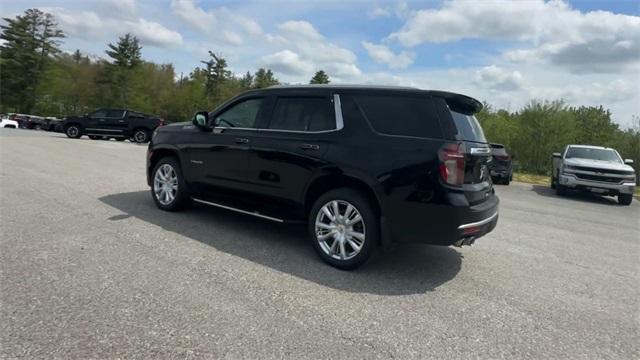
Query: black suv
{"points": [[120, 124], [501, 165], [362, 166]]}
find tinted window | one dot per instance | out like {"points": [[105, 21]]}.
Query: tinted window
{"points": [[498, 150], [302, 114], [115, 113], [242, 115], [469, 128], [594, 154], [99, 114], [401, 115]]}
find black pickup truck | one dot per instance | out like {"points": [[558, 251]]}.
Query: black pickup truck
{"points": [[120, 124]]}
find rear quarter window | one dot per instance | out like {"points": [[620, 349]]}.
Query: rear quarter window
{"points": [[401, 115]]}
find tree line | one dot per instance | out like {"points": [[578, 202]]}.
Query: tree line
{"points": [[36, 77]]}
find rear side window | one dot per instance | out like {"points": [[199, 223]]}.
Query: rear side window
{"points": [[469, 128], [115, 113], [401, 115], [302, 114]]}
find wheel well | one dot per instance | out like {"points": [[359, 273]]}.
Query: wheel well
{"points": [[329, 182], [161, 153], [66, 126], [141, 128]]}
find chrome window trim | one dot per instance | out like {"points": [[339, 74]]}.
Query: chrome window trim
{"points": [[337, 106]]}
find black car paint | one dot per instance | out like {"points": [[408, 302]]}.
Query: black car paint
{"points": [[117, 127], [276, 171]]}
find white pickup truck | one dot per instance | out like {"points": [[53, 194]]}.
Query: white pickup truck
{"points": [[593, 168]]}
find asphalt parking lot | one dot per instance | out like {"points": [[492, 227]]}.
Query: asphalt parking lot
{"points": [[91, 269]]}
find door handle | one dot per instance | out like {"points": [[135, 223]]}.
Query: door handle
{"points": [[242, 140], [309, 147]]}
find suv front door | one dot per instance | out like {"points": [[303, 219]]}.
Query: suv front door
{"points": [[219, 158]]}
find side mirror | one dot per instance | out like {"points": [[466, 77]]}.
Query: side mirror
{"points": [[557, 155], [628, 161], [201, 119]]}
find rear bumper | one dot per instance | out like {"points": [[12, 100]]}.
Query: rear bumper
{"points": [[445, 224], [573, 182]]}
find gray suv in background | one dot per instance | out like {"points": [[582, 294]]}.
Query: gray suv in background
{"points": [[595, 169]]}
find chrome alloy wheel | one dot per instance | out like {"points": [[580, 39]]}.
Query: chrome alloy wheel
{"points": [[73, 131], [340, 230], [140, 136], [165, 184]]}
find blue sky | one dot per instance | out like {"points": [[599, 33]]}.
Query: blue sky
{"points": [[500, 51]]}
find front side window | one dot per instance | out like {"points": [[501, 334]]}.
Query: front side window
{"points": [[302, 114], [240, 115], [593, 154]]}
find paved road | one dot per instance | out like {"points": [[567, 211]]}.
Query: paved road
{"points": [[90, 268]]}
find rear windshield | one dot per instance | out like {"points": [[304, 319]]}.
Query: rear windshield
{"points": [[593, 154], [498, 151], [468, 127]]}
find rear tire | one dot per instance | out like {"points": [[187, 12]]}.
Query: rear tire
{"points": [[141, 136], [625, 199], [73, 131], [348, 240], [168, 187], [553, 182]]}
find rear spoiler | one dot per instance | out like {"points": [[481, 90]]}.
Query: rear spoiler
{"points": [[458, 102]]}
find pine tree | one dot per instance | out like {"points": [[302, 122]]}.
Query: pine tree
{"points": [[264, 78], [216, 73], [320, 78], [115, 78], [29, 41]]}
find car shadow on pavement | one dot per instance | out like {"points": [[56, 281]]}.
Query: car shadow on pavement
{"points": [[575, 196], [407, 269]]}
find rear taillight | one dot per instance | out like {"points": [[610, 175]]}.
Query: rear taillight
{"points": [[452, 164]]}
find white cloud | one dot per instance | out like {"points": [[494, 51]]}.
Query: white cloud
{"points": [[287, 62], [312, 51], [122, 6], [89, 26], [497, 78], [378, 12], [216, 22], [383, 55], [597, 41], [152, 33]]}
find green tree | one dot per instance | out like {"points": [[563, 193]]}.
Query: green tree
{"points": [[114, 78], [216, 73], [264, 78], [320, 78], [29, 41]]}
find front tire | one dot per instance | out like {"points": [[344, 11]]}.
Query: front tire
{"points": [[625, 199], [168, 187], [73, 131], [141, 136], [344, 228]]}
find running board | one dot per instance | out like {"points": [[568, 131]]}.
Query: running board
{"points": [[238, 210]]}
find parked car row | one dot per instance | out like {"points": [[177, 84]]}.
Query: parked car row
{"points": [[119, 124]]}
